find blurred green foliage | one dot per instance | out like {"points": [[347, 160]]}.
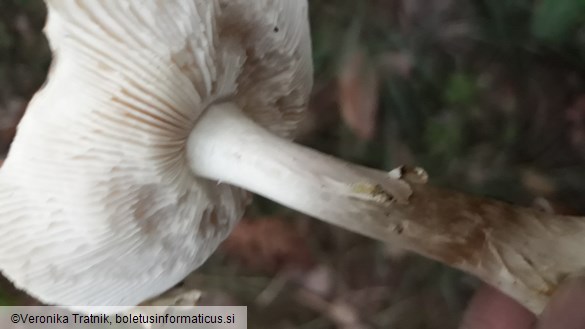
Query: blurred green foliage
{"points": [[557, 21], [487, 88]]}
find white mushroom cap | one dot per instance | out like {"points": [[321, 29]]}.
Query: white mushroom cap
{"points": [[98, 206]]}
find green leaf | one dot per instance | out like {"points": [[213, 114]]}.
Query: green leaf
{"points": [[444, 136], [461, 89], [555, 20]]}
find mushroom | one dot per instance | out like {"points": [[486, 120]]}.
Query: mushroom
{"points": [[133, 162]]}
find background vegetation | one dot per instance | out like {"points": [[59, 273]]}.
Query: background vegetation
{"points": [[488, 96]]}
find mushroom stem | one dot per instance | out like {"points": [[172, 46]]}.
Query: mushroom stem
{"points": [[523, 252]]}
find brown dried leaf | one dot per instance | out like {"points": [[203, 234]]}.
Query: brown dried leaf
{"points": [[358, 95], [269, 245]]}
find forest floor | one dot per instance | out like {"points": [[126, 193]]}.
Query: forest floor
{"points": [[487, 96]]}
